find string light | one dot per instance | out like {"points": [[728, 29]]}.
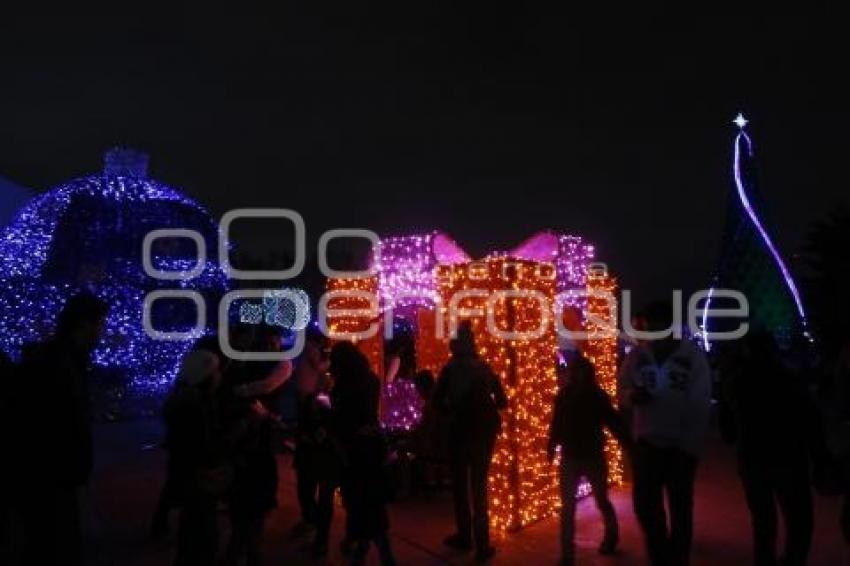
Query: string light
{"points": [[601, 350], [401, 406], [341, 325], [747, 274], [88, 233], [419, 275], [523, 485]]}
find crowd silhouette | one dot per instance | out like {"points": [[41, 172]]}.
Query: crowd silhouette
{"points": [[225, 429]]}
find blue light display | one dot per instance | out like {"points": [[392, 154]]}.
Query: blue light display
{"points": [[750, 260], [88, 233]]}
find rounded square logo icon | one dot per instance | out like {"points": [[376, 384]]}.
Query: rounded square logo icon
{"points": [[177, 275], [200, 321], [325, 239], [241, 355], [262, 274]]}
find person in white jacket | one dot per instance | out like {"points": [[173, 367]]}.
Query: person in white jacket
{"points": [[664, 389]]}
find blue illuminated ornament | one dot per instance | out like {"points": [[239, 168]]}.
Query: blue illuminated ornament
{"points": [[88, 233]]}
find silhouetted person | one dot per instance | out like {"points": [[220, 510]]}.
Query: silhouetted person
{"points": [[315, 472], [665, 386], [199, 455], [254, 429], [169, 498], [775, 427], [317, 468], [840, 413], [470, 395], [7, 374], [55, 456], [356, 428], [582, 411], [428, 437]]}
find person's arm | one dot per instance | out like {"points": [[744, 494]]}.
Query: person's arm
{"points": [[614, 421], [698, 409], [554, 427], [278, 376], [497, 391], [815, 433], [726, 417], [373, 401], [625, 381], [392, 370], [438, 398], [625, 389]]}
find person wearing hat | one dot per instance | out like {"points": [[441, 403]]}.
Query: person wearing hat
{"points": [[199, 467]]}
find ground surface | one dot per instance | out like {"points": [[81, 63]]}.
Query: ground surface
{"points": [[130, 471]]}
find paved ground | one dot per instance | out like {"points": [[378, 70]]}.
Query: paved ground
{"points": [[130, 471]]}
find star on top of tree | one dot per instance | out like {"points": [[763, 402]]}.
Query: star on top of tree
{"points": [[740, 121]]}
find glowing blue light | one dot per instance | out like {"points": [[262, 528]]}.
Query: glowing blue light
{"points": [[742, 137], [88, 233], [705, 342], [742, 194], [287, 308]]}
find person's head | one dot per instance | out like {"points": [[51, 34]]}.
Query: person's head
{"points": [[346, 361], [657, 316], [463, 344], [315, 347], [241, 336], [580, 373], [82, 320], [424, 382], [210, 343], [269, 339], [200, 369]]}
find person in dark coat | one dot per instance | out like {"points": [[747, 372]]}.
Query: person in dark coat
{"points": [[169, 496], [199, 453], [55, 455], [7, 374], [582, 411], [254, 429], [317, 467], [253, 492], [470, 395], [770, 416], [363, 452], [428, 437], [313, 457]]}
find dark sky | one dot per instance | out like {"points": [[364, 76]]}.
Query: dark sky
{"points": [[486, 122]]}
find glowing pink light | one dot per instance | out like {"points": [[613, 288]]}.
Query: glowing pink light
{"points": [[540, 247], [446, 250], [406, 267], [401, 405]]}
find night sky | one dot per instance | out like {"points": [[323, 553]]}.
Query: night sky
{"points": [[486, 122]]}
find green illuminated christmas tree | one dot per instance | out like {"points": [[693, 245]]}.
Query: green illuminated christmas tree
{"points": [[749, 260]]}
